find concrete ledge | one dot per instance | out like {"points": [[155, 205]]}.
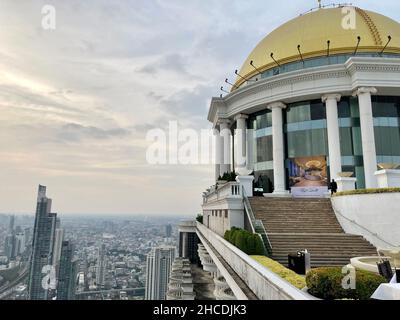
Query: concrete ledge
{"points": [[265, 284]]}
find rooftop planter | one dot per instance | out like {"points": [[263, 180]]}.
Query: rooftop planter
{"points": [[366, 191]]}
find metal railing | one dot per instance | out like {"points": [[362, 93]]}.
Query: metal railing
{"points": [[256, 225]]}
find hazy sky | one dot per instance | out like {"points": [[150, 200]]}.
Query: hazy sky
{"points": [[76, 102]]}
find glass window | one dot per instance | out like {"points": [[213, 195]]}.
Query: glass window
{"points": [[346, 145], [307, 143], [264, 149], [298, 112], [383, 106], [387, 141], [344, 108], [318, 110]]}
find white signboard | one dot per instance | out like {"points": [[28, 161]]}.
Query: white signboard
{"points": [[309, 192]]}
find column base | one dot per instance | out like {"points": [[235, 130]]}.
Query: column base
{"points": [[346, 183]]}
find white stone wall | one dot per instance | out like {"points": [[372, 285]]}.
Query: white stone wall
{"points": [[265, 284], [379, 213]]}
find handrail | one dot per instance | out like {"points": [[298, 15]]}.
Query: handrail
{"points": [[364, 228], [256, 225]]}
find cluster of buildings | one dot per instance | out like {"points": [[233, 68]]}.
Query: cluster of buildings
{"points": [[16, 241]]}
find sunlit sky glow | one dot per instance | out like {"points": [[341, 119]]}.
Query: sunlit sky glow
{"points": [[76, 102]]}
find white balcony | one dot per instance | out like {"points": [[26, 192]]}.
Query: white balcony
{"points": [[227, 190]]}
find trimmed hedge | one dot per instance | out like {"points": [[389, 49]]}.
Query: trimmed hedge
{"points": [[367, 191], [285, 273], [199, 218], [249, 243], [326, 283]]}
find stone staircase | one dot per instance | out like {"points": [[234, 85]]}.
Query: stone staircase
{"points": [[295, 224]]}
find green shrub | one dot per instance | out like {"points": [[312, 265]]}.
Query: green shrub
{"points": [[249, 243], [241, 241], [285, 273], [326, 283], [259, 245], [367, 191], [199, 218], [227, 235]]}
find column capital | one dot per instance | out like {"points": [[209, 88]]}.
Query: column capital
{"points": [[331, 96], [361, 90], [241, 116], [275, 105]]}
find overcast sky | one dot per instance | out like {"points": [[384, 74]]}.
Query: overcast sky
{"points": [[76, 102]]}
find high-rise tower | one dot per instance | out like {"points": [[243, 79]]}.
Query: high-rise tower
{"points": [[41, 277], [159, 262]]}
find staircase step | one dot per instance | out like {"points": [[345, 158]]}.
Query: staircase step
{"points": [[295, 224]]}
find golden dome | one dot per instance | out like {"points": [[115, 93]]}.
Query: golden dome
{"points": [[312, 31]]}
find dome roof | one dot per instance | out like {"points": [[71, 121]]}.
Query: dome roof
{"points": [[312, 31]]}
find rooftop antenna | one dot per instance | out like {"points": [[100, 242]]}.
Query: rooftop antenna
{"points": [[389, 39], [272, 56], [240, 76], [252, 64], [358, 43], [222, 89], [301, 56], [231, 84], [329, 44]]}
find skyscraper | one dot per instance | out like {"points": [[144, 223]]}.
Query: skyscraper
{"points": [[101, 266], [159, 262], [168, 231], [67, 272], [11, 224], [58, 242], [10, 241], [42, 249]]}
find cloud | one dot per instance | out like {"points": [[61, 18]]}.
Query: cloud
{"points": [[76, 102]]}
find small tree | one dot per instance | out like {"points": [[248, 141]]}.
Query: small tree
{"points": [[199, 218]]}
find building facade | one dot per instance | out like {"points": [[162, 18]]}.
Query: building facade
{"points": [[42, 248], [158, 268], [324, 100], [101, 266], [67, 272]]}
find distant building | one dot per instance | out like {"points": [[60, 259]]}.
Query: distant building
{"points": [[101, 266], [168, 231], [20, 244], [42, 247], [159, 262], [67, 272], [58, 243], [10, 241]]}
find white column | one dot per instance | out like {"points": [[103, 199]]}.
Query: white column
{"points": [[335, 156], [218, 153], [367, 134], [241, 142], [278, 151], [226, 137]]}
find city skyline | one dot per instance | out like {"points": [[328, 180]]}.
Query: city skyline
{"points": [[76, 102]]}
